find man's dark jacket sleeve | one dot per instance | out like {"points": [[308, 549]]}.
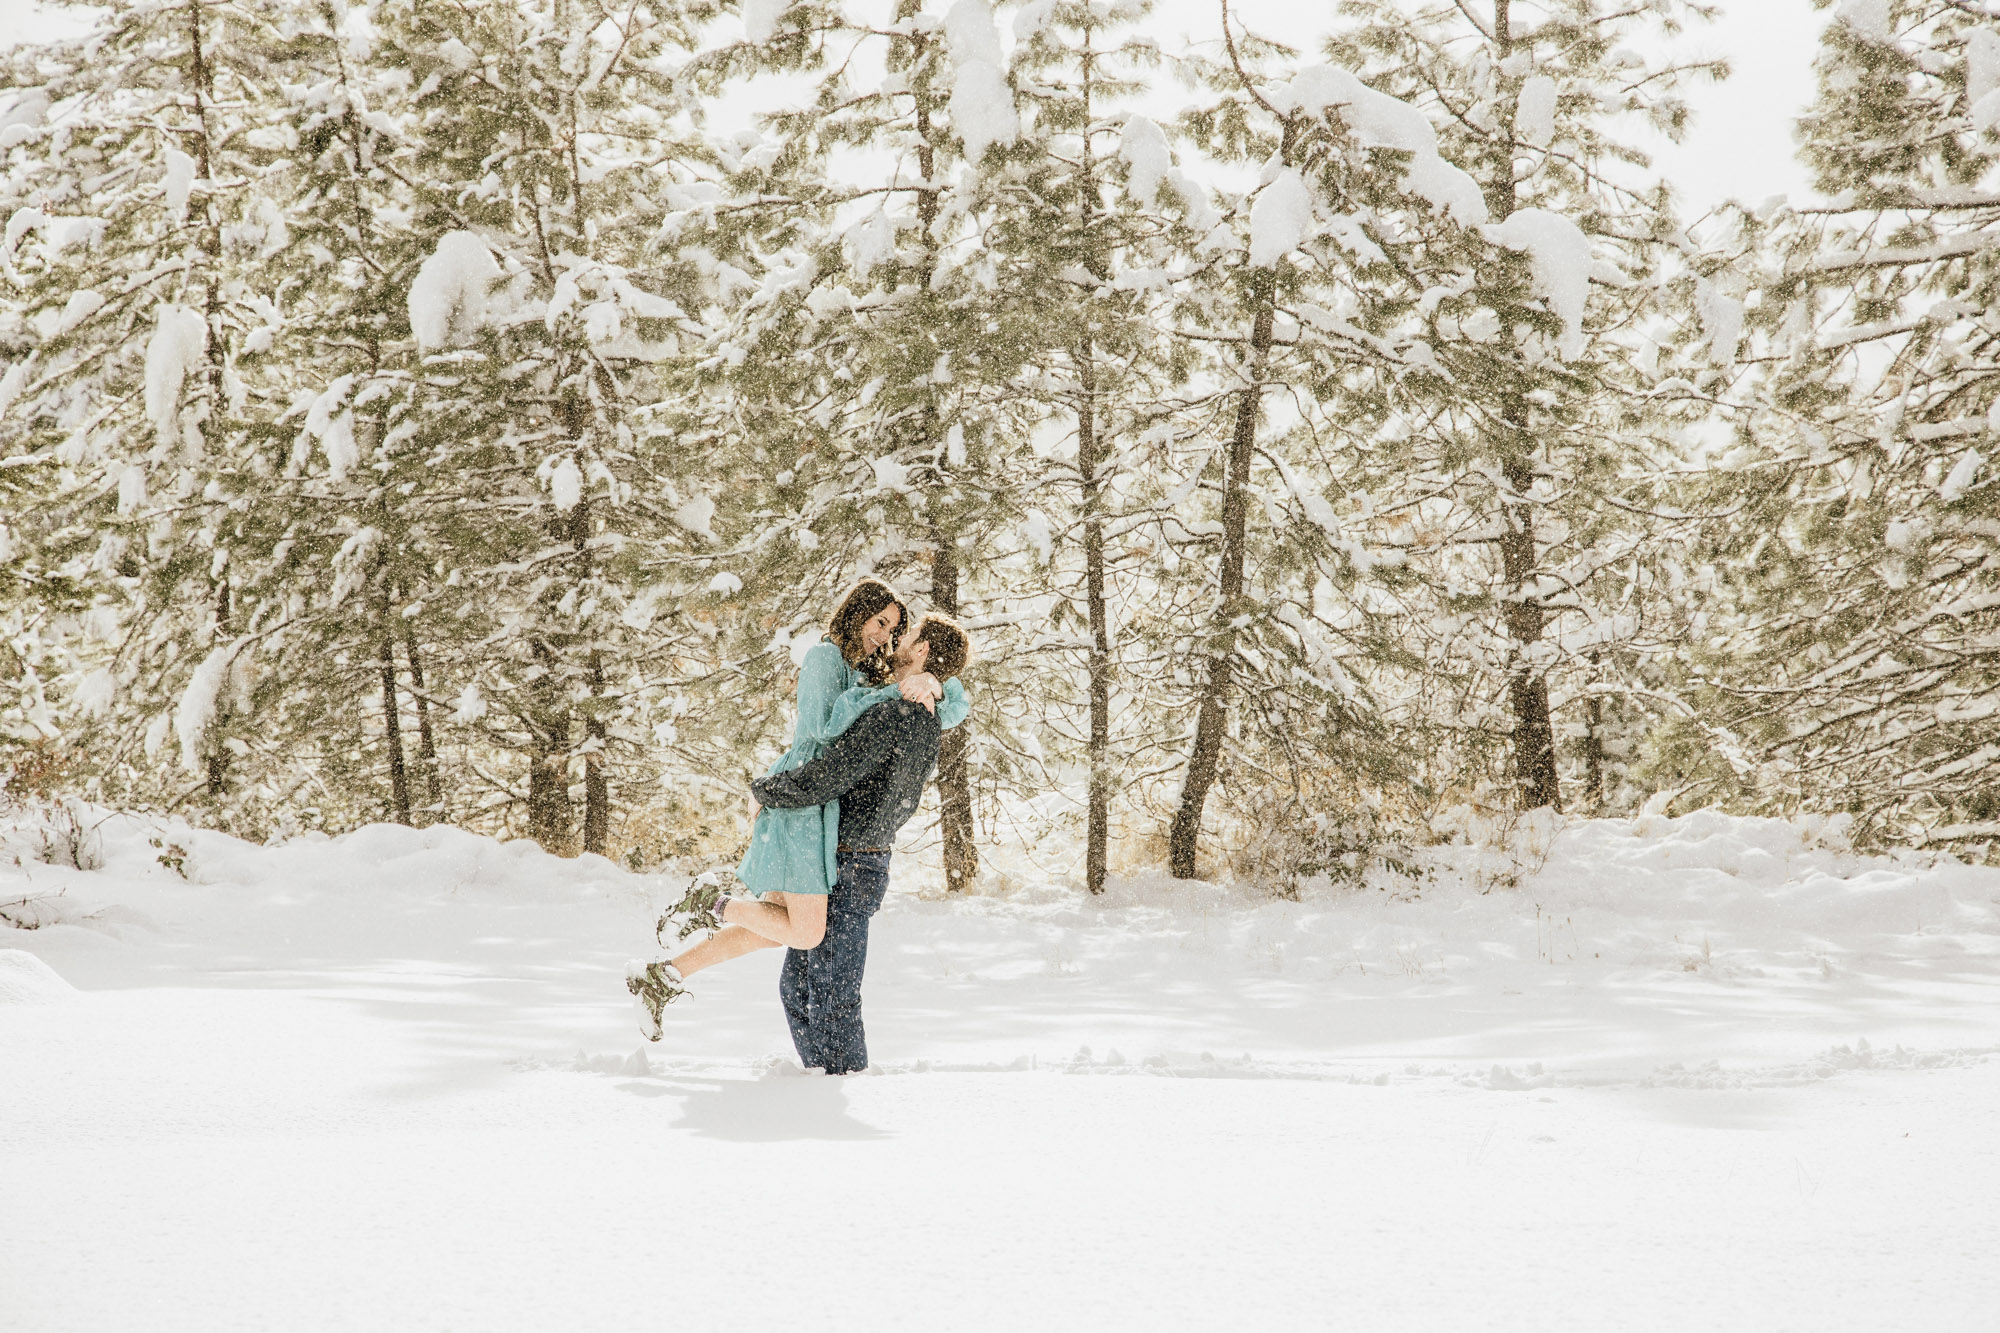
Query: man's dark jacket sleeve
{"points": [[854, 754]]}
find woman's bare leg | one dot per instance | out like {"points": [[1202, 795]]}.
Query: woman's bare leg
{"points": [[795, 921], [725, 944]]}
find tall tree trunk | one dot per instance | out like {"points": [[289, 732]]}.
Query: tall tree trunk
{"points": [[954, 773], [1212, 717], [954, 776], [218, 754], [551, 815], [1527, 687], [1520, 554], [201, 74], [1090, 457], [596, 785], [1090, 454], [427, 755], [1593, 744], [392, 722]]}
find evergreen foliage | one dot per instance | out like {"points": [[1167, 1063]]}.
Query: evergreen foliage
{"points": [[1860, 546], [465, 413]]}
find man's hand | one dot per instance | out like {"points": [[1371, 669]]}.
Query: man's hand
{"points": [[921, 687]]}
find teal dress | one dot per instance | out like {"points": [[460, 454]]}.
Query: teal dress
{"points": [[793, 850]]}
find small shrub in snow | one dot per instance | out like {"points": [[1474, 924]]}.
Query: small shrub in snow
{"points": [[1294, 849], [65, 833], [171, 855], [36, 910]]}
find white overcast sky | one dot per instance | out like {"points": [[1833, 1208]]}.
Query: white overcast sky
{"points": [[1740, 146]]}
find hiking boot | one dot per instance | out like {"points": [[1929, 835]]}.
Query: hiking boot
{"points": [[654, 986], [700, 906]]}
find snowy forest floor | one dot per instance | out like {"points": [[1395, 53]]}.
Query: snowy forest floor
{"points": [[1705, 1072]]}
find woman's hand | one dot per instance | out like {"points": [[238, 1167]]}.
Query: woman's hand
{"points": [[922, 688]]}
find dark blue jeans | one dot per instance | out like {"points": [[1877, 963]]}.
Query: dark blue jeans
{"points": [[821, 988]]}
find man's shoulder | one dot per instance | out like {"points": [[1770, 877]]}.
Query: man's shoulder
{"points": [[903, 715]]}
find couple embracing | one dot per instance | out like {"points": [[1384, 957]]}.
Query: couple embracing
{"points": [[873, 699]]}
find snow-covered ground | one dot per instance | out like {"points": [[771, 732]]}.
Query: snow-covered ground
{"points": [[1695, 1073]]}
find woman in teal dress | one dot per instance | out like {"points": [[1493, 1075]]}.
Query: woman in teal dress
{"points": [[790, 865]]}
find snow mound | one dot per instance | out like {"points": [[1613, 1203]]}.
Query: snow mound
{"points": [[26, 979], [1280, 219], [1559, 256], [1535, 111], [392, 861], [178, 344], [982, 106], [1721, 322], [449, 297]]}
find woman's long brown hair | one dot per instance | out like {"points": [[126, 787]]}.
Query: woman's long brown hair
{"points": [[867, 598]]}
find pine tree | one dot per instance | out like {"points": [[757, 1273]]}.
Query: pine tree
{"points": [[1092, 247], [1860, 547], [888, 324], [134, 250], [1288, 297], [543, 331], [1529, 476]]}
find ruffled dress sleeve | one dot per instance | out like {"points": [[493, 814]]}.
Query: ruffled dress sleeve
{"points": [[951, 710], [824, 677], [955, 706]]}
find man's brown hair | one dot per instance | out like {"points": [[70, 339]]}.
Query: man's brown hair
{"points": [[950, 648]]}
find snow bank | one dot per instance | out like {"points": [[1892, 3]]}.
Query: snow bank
{"points": [[1378, 120], [1559, 256], [353, 876], [26, 979], [416, 865], [448, 298]]}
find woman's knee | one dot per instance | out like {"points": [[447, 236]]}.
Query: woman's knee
{"points": [[808, 920]]}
